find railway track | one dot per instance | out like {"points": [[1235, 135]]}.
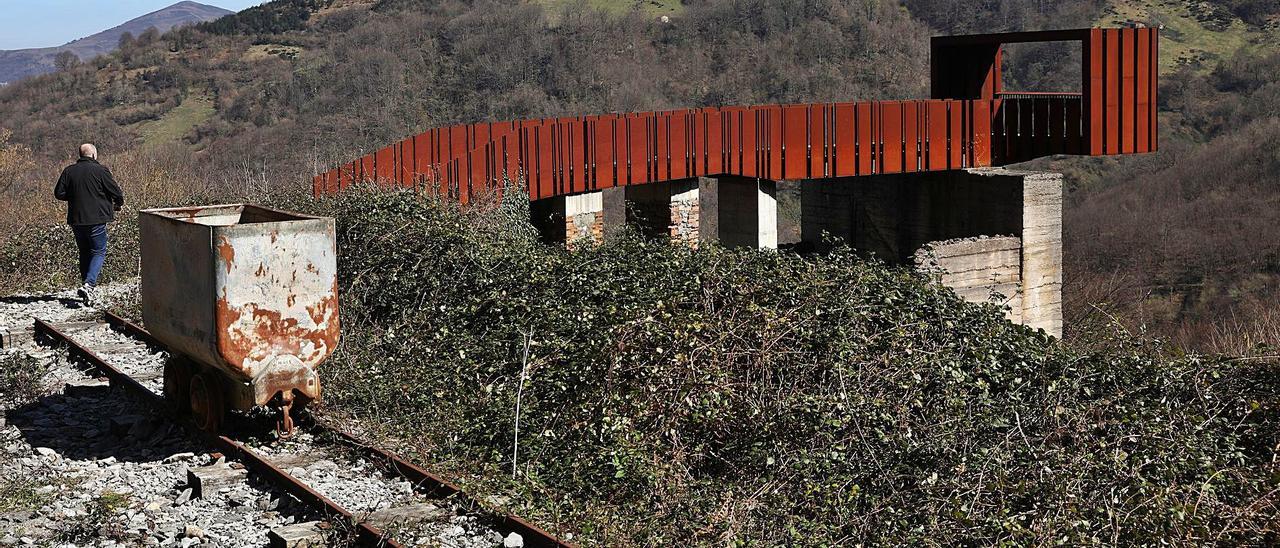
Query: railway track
{"points": [[359, 494]]}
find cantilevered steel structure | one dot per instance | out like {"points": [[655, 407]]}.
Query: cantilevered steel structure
{"points": [[970, 121]]}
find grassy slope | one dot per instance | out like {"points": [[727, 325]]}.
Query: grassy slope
{"points": [[1196, 33], [194, 110]]}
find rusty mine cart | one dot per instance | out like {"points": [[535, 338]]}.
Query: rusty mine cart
{"points": [[246, 299]]}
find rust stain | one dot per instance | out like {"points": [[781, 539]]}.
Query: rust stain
{"points": [[189, 213], [320, 311], [255, 335], [226, 251], [262, 269], [275, 234]]}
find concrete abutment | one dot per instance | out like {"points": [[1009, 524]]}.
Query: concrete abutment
{"points": [[965, 225]]}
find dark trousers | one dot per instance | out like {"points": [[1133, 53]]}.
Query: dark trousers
{"points": [[92, 242]]}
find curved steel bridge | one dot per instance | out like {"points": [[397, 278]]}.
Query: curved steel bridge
{"points": [[970, 121]]}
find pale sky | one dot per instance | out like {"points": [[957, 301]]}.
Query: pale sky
{"points": [[43, 23]]}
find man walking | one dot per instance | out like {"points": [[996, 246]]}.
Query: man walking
{"points": [[92, 197]]}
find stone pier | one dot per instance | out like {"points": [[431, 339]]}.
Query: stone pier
{"points": [[571, 219]]}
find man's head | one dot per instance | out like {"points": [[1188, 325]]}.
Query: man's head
{"points": [[89, 151]]}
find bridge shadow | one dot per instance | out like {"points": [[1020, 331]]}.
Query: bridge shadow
{"points": [[66, 302], [97, 422]]}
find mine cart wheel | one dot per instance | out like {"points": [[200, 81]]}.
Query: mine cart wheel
{"points": [[207, 408], [177, 384]]}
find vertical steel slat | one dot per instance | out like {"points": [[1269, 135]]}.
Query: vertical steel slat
{"points": [[604, 150], [1142, 114], [577, 156], [1154, 133], [819, 140], [1128, 89], [1112, 86], [715, 139], [792, 153], [936, 120], [637, 149], [955, 137], [844, 141], [891, 136], [910, 137], [866, 143], [750, 142], [1095, 92]]}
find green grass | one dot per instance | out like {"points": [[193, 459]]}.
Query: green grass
{"points": [[1186, 38], [194, 110]]}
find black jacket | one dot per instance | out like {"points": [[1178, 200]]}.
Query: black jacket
{"points": [[90, 191]]}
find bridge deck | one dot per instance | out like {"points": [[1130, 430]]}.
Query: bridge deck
{"points": [[969, 122]]}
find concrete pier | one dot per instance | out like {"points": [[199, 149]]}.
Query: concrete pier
{"points": [[896, 216]]}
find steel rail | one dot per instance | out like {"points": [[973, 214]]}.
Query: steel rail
{"points": [[534, 536], [366, 534]]}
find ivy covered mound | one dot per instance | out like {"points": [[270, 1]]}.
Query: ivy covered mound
{"points": [[678, 397]]}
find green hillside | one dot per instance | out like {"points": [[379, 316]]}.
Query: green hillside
{"points": [[1195, 33]]}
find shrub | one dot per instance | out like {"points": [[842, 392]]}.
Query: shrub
{"points": [[677, 397]]}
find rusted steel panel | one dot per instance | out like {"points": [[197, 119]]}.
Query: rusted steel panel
{"points": [[457, 145], [1094, 123], [317, 186], [891, 136], [999, 132], [575, 171], [1128, 89], [1112, 79], [866, 143], [347, 175], [981, 133], [845, 141], [421, 160], [333, 181], [734, 140], [1142, 74], [637, 127], [749, 142], [956, 132], [793, 151], [820, 139], [476, 181], [910, 136], [771, 143], [678, 145], [662, 146], [604, 150], [249, 291], [715, 154], [936, 119], [366, 168], [542, 151], [1154, 132]]}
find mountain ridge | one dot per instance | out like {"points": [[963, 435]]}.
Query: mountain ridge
{"points": [[21, 63]]}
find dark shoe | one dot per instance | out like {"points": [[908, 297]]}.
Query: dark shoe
{"points": [[83, 293]]}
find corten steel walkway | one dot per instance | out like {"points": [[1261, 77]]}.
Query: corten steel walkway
{"points": [[970, 121]]}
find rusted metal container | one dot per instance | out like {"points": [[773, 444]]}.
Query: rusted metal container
{"points": [[249, 295]]}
